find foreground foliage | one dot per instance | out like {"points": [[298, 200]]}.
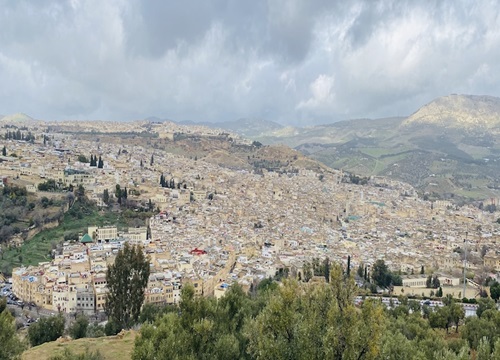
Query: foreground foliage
{"points": [[10, 345], [127, 279], [70, 355], [46, 329], [312, 321]]}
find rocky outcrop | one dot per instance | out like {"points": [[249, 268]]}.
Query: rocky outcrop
{"points": [[467, 112]]}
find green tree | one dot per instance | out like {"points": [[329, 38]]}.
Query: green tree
{"points": [[46, 329], [348, 272], [326, 267], [10, 345], [79, 328], [475, 329], [483, 305], [320, 322], [496, 352], [3, 304], [82, 159], [80, 191], [396, 280], [273, 334], [149, 313], [118, 193], [435, 282], [105, 196], [495, 290], [4, 151], [440, 318], [380, 274], [457, 313], [203, 328], [484, 349], [360, 270], [396, 346], [127, 279], [307, 271], [95, 331], [422, 270]]}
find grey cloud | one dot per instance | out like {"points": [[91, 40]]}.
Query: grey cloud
{"points": [[293, 61]]}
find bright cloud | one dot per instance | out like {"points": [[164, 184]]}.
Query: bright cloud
{"points": [[294, 61]]}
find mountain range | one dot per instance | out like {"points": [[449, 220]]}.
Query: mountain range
{"points": [[449, 148]]}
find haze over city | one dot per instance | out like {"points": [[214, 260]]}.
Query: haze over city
{"points": [[294, 62]]}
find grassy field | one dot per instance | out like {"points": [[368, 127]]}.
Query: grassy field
{"points": [[38, 248], [111, 347], [377, 151]]}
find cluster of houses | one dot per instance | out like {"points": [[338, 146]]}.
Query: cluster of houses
{"points": [[223, 225]]}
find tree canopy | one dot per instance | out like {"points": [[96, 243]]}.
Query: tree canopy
{"points": [[297, 320], [127, 279], [46, 329], [10, 345]]}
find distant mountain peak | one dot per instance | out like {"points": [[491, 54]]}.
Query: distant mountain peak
{"points": [[17, 117], [459, 111]]}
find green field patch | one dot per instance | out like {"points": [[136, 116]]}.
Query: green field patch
{"points": [[110, 347], [76, 220], [378, 151]]}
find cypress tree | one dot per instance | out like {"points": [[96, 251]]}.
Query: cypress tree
{"points": [[348, 265], [127, 279]]}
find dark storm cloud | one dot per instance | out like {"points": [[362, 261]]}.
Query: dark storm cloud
{"points": [[294, 61]]}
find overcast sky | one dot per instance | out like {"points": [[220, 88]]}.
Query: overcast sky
{"points": [[292, 61]]}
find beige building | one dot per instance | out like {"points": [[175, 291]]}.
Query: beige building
{"points": [[76, 178], [136, 235], [199, 195], [64, 298], [492, 260], [103, 234], [420, 281]]}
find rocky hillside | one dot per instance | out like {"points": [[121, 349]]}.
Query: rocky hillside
{"points": [[468, 112], [449, 148]]}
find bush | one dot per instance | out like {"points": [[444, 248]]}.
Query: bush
{"points": [[112, 328], [79, 328], [87, 355], [3, 304], [10, 344], [82, 159], [46, 329], [95, 331]]}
